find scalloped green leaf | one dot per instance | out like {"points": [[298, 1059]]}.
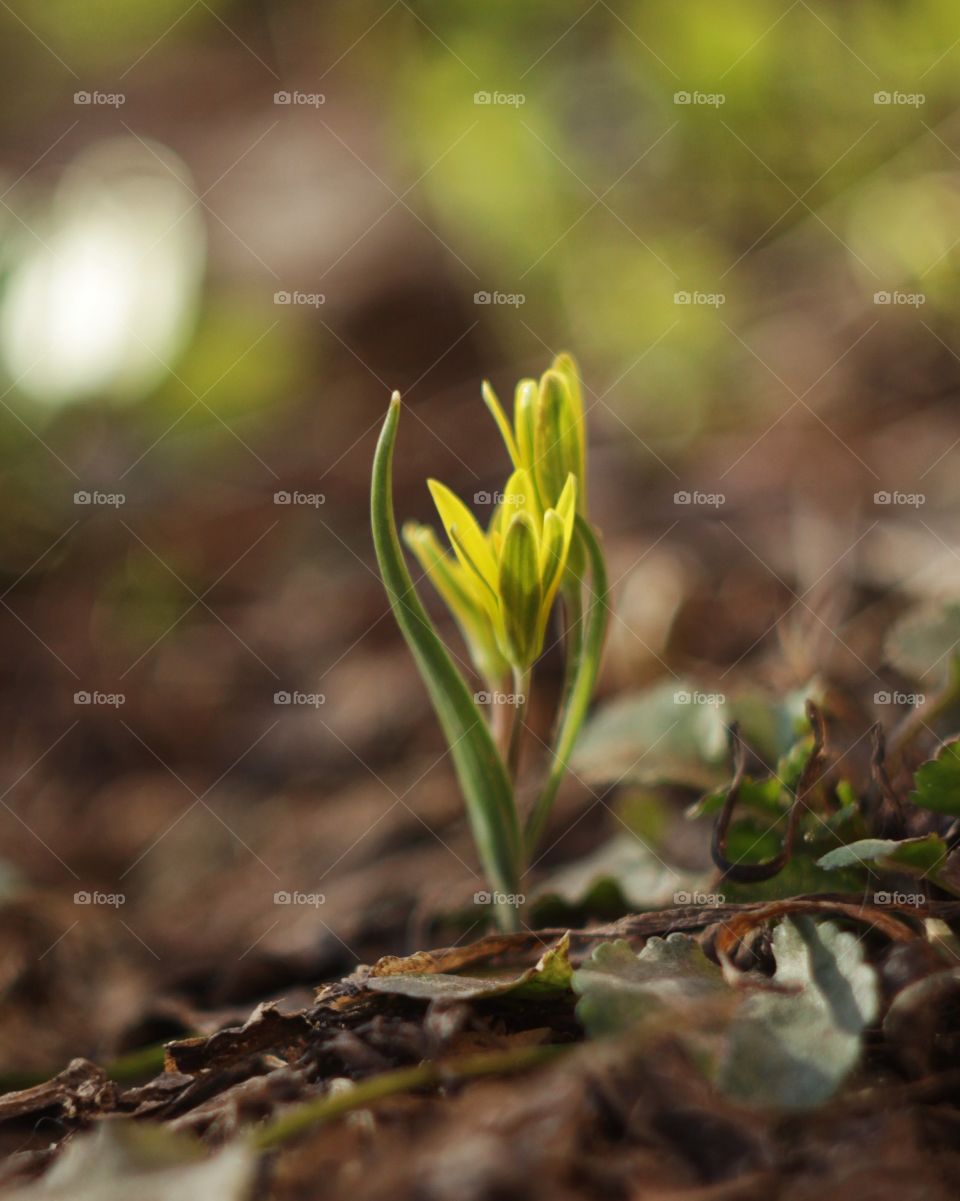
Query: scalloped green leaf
{"points": [[618, 987], [937, 782], [793, 1045], [788, 1042]]}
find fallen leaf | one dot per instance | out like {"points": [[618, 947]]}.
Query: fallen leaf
{"points": [[550, 976]]}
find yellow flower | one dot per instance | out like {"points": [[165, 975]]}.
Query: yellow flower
{"points": [[502, 582], [547, 438]]}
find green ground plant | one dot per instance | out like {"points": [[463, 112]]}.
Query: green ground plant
{"points": [[501, 584]]}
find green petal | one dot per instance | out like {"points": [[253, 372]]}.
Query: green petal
{"points": [[566, 364], [557, 447], [520, 591], [500, 417], [555, 545]]}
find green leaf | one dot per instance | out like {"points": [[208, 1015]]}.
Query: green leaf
{"points": [[652, 737], [937, 782], [916, 855], [480, 770], [551, 976], [619, 988], [925, 646], [793, 1048], [122, 1158], [764, 797], [629, 865], [789, 1042]]}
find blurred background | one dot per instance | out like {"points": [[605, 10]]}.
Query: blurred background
{"points": [[229, 229]]}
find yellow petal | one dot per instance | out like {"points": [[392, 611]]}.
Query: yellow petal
{"points": [[500, 417], [466, 536], [457, 588], [524, 420]]}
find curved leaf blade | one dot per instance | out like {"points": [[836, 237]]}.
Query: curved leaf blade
{"points": [[479, 768]]}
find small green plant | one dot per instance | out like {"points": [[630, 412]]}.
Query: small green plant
{"points": [[501, 585]]}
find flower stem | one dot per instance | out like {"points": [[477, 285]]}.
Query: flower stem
{"points": [[521, 690]]}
